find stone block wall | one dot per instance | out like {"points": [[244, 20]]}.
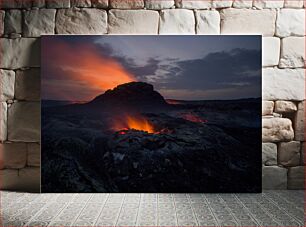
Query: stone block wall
{"points": [[281, 22]]}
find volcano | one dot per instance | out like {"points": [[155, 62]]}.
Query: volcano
{"points": [[129, 139], [133, 95]]}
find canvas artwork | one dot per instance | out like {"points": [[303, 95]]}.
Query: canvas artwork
{"points": [[151, 114]]}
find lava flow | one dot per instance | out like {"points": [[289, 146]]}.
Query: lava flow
{"points": [[193, 117], [133, 122]]}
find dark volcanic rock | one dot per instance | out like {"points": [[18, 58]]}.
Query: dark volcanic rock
{"points": [[188, 157], [132, 95], [216, 148]]}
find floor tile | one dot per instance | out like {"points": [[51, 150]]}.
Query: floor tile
{"points": [[270, 208]]}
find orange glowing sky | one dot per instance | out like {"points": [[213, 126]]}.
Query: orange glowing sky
{"points": [[82, 67]]}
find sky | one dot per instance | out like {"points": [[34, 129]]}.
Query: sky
{"points": [[78, 68]]}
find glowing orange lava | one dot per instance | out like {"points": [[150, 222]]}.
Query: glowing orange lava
{"points": [[193, 117], [133, 122], [139, 124]]}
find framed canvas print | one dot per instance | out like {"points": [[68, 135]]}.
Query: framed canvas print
{"points": [[151, 114]]}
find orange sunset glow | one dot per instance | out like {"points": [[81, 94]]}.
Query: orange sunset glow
{"points": [[85, 66]]}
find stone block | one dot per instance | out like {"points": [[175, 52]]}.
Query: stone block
{"points": [[13, 21], [39, 22], [27, 86], [221, 3], [277, 130], [2, 15], [140, 22], [24, 122], [159, 4], [100, 3], [9, 179], [293, 3], [56, 4], [274, 177], [126, 4], [285, 107], [208, 22], [80, 3], [290, 22], [267, 107], [193, 4], [3, 121], [13, 155], [38, 3], [25, 180], [283, 84], [177, 21], [299, 122], [248, 21], [15, 4], [85, 21], [7, 84], [269, 154], [293, 52], [289, 153], [303, 160], [296, 176], [19, 53], [270, 51], [262, 4], [33, 154], [30, 179], [242, 4]]}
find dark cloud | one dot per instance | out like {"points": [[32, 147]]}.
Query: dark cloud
{"points": [[216, 70], [221, 70], [140, 72], [237, 68]]}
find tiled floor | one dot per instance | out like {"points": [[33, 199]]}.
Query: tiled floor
{"points": [[271, 208]]}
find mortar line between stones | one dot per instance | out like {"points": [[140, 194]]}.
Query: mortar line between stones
{"points": [[195, 21], [55, 19]]}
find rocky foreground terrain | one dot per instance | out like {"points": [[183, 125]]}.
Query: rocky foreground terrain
{"points": [[203, 146]]}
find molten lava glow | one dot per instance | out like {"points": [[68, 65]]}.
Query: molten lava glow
{"points": [[86, 69], [192, 117], [139, 124], [133, 122], [173, 102]]}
